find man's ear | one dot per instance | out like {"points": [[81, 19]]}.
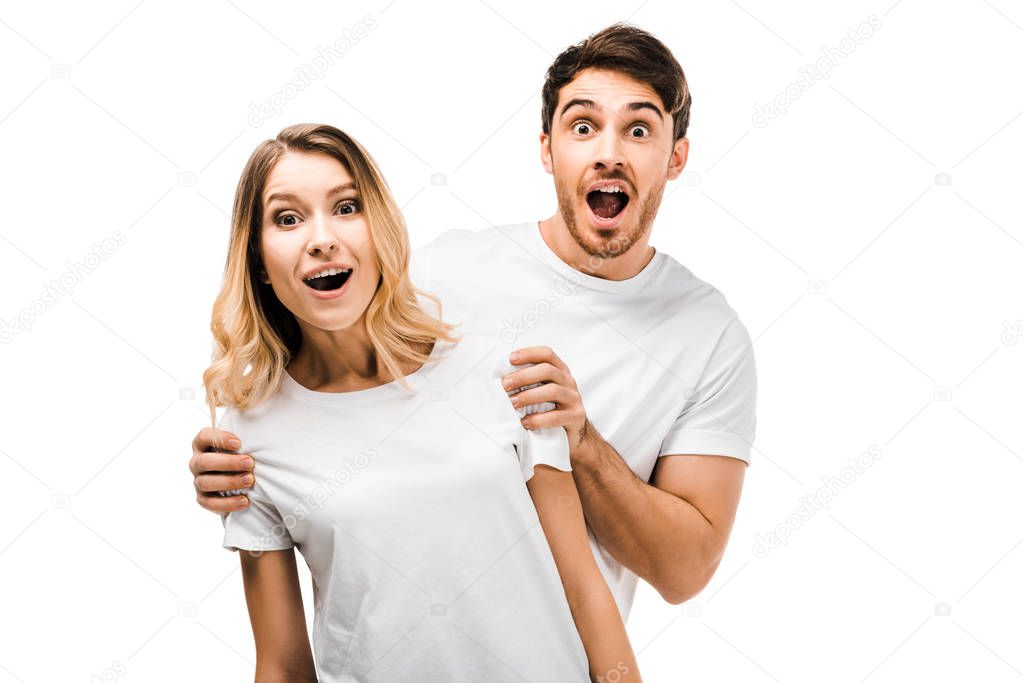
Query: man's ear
{"points": [[545, 153], [679, 154]]}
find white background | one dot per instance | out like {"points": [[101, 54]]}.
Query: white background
{"points": [[883, 297]]}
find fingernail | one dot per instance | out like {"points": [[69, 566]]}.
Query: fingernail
{"points": [[243, 502], [515, 356], [247, 479], [234, 443], [507, 383], [247, 463]]}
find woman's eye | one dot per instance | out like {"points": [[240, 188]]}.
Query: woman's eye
{"points": [[281, 220], [582, 128], [348, 207]]}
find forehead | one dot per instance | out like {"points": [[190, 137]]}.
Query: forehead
{"points": [[311, 173], [611, 90]]}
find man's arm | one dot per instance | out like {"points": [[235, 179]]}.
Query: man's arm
{"points": [[671, 532]]}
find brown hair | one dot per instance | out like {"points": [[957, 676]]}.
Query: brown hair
{"points": [[628, 50], [255, 335]]}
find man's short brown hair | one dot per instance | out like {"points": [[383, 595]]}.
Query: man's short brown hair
{"points": [[630, 51]]}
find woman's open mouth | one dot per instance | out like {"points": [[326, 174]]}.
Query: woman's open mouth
{"points": [[607, 204], [329, 283]]}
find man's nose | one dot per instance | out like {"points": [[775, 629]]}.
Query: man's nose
{"points": [[609, 150]]}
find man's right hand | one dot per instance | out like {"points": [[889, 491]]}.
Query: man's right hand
{"points": [[216, 467]]}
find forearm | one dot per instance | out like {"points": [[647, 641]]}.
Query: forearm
{"points": [[602, 632], [658, 536], [301, 672]]}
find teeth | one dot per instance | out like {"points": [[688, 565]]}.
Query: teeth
{"points": [[611, 188], [331, 271]]}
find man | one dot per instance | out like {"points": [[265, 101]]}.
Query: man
{"points": [[649, 370]]}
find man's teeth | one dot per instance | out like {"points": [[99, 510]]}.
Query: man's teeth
{"points": [[332, 271], [611, 188]]}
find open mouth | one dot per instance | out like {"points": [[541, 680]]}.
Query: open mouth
{"points": [[607, 202], [329, 280]]}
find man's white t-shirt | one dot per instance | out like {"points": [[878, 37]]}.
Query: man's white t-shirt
{"points": [[663, 363], [411, 510]]}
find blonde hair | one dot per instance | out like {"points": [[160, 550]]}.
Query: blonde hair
{"points": [[255, 335]]}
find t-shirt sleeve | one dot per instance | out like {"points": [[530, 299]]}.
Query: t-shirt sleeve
{"points": [[259, 525], [719, 417], [534, 446]]}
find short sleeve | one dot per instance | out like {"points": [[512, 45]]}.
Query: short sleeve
{"points": [[719, 417], [534, 446], [259, 525]]}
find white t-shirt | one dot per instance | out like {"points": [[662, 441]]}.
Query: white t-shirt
{"points": [[426, 552], [663, 363]]}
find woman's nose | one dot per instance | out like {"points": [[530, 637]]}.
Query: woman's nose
{"points": [[322, 238]]}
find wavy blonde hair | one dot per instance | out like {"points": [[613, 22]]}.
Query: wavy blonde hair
{"points": [[255, 335]]}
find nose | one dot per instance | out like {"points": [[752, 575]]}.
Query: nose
{"points": [[608, 151], [322, 239]]}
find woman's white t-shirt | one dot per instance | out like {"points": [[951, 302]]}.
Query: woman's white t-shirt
{"points": [[411, 510]]}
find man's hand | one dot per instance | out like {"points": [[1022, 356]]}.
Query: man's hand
{"points": [[556, 386], [216, 468]]}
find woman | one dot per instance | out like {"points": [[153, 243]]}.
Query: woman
{"points": [[387, 453]]}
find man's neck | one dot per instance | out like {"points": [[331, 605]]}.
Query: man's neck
{"points": [[560, 241]]}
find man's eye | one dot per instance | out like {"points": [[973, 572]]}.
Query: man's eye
{"points": [[640, 131], [582, 128], [348, 207]]}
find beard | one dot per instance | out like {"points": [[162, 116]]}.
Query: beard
{"points": [[607, 244]]}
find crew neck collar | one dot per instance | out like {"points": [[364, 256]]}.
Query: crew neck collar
{"points": [[417, 378], [540, 247]]}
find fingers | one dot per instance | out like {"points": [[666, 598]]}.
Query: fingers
{"points": [[537, 354], [214, 502], [213, 461], [551, 418], [206, 440], [211, 483], [544, 372], [555, 393]]}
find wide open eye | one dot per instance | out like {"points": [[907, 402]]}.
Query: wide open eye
{"points": [[280, 220], [348, 207], [582, 128]]}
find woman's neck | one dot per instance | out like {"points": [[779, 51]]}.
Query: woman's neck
{"points": [[339, 361]]}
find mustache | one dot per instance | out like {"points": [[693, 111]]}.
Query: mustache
{"points": [[613, 175]]}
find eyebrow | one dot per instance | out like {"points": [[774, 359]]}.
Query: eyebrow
{"points": [[632, 106], [288, 195]]}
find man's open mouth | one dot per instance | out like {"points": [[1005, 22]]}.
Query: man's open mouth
{"points": [[329, 280], [607, 202]]}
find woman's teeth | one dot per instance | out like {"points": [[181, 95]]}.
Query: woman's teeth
{"points": [[333, 278]]}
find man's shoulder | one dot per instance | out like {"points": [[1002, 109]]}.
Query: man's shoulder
{"points": [[695, 299]]}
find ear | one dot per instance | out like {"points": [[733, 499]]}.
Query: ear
{"points": [[679, 155], [545, 153]]}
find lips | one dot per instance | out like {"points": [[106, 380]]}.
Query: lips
{"points": [[607, 205], [607, 200], [329, 282]]}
